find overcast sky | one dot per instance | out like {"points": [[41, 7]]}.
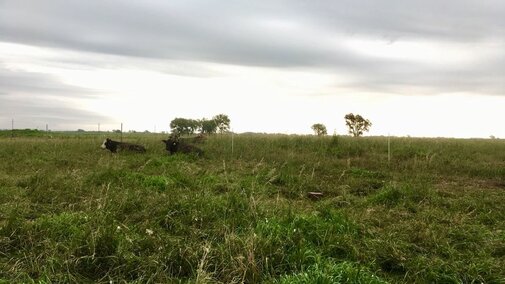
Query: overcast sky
{"points": [[420, 68]]}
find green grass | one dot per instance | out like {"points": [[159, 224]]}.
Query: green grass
{"points": [[72, 212]]}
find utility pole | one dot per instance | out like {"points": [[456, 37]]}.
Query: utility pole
{"points": [[121, 132]]}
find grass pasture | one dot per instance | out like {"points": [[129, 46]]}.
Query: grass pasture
{"points": [[72, 212]]}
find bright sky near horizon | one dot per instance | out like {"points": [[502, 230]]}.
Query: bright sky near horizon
{"points": [[424, 68]]}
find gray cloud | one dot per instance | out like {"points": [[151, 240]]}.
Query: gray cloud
{"points": [[16, 81], [47, 110], [36, 111], [486, 77], [34, 99], [216, 31], [184, 31], [211, 30], [283, 34], [452, 20]]}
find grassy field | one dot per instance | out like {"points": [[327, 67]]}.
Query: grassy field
{"points": [[72, 212]]}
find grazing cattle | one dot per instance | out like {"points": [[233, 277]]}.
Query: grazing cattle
{"points": [[114, 146], [175, 145], [172, 145]]}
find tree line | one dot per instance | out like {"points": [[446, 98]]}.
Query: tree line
{"points": [[219, 123], [355, 123]]}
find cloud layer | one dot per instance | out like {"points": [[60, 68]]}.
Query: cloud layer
{"points": [[284, 34], [38, 98]]}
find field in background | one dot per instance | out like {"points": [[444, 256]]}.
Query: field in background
{"points": [[70, 211]]}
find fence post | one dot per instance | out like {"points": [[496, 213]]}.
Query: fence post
{"points": [[389, 149], [232, 143]]}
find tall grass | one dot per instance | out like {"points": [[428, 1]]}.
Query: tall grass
{"points": [[71, 212]]}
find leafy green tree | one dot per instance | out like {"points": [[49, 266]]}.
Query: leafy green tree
{"points": [[357, 124], [184, 125], [223, 122], [208, 126], [319, 129]]}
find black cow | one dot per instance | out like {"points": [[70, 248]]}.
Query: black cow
{"points": [[174, 145], [114, 146]]}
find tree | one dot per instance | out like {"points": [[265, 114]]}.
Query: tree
{"points": [[357, 124], [208, 126], [319, 129], [222, 122], [184, 125]]}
